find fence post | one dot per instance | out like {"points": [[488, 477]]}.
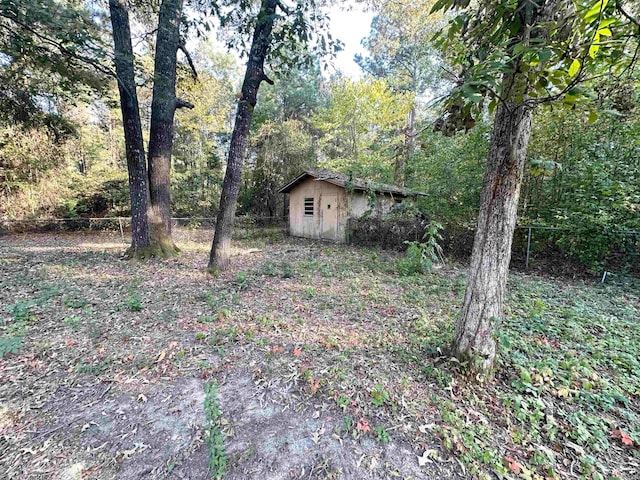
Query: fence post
{"points": [[121, 230], [526, 265]]}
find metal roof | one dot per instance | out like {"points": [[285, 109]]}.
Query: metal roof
{"points": [[348, 182]]}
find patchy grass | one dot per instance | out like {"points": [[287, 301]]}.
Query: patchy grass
{"points": [[328, 363]]}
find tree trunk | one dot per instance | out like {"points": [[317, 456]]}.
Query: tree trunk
{"points": [[404, 158], [134, 145], [483, 302], [163, 107], [221, 249]]}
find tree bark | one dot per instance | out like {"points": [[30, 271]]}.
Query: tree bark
{"points": [[134, 144], [221, 249], [483, 307], [163, 107], [404, 158], [483, 303]]}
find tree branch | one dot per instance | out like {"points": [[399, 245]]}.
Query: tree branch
{"points": [[627, 15], [180, 103], [284, 8], [267, 79], [194, 72], [61, 48]]}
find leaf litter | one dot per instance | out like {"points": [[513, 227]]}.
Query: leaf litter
{"points": [[329, 365]]}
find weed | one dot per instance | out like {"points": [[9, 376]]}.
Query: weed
{"points": [[94, 331], [93, 368], [242, 280], [380, 396], [420, 257], [269, 269], [72, 322], [287, 270], [342, 401], [223, 336], [216, 301], [75, 300], [47, 292], [9, 345], [133, 301], [140, 362], [125, 335], [214, 437], [382, 435], [21, 311], [348, 426]]}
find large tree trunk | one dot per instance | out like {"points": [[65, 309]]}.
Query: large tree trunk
{"points": [[483, 302], [254, 75], [134, 145], [163, 107], [483, 307]]}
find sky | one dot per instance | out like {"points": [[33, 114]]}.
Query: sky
{"points": [[350, 27]]}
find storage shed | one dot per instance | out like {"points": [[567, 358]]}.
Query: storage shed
{"points": [[322, 201]]}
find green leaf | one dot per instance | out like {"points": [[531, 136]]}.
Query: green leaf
{"points": [[441, 5], [544, 55], [608, 21], [594, 11], [574, 68], [593, 116], [518, 49]]}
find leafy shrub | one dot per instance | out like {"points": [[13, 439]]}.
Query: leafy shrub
{"points": [[420, 257]]}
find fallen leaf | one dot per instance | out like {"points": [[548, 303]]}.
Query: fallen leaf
{"points": [[163, 354], [624, 437], [426, 457], [363, 425], [314, 385], [512, 465], [297, 352]]}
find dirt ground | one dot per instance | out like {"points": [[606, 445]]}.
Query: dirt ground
{"points": [[109, 379], [302, 361]]}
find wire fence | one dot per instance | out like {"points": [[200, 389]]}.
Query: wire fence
{"points": [[123, 224], [246, 223], [635, 235]]}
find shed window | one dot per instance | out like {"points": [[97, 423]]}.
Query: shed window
{"points": [[308, 207]]}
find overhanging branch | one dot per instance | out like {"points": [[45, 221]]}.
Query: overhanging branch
{"points": [[194, 72], [180, 103]]}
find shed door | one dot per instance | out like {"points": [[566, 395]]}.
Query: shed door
{"points": [[329, 217]]}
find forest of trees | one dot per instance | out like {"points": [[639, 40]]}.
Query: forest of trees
{"points": [[547, 91]]}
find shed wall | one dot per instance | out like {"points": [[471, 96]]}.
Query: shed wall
{"points": [[301, 225], [330, 224]]}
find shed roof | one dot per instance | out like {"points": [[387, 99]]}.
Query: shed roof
{"points": [[348, 182]]}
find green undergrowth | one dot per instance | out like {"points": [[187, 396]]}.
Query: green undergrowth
{"points": [[566, 396], [214, 437]]}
